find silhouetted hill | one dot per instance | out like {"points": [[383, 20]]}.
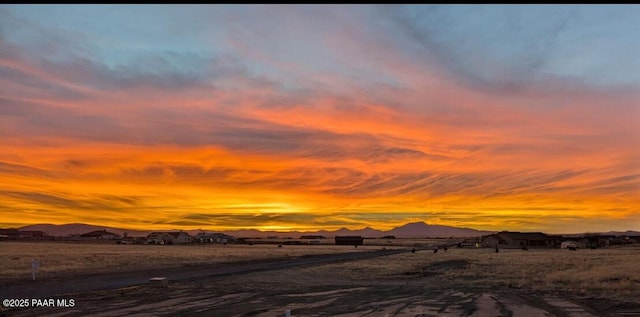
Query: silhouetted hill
{"points": [[622, 233], [421, 229], [608, 233], [366, 232], [415, 229], [418, 229], [79, 228]]}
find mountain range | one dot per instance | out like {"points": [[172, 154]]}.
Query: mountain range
{"points": [[409, 230], [415, 229]]}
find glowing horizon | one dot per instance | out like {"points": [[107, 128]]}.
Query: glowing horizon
{"points": [[306, 117]]}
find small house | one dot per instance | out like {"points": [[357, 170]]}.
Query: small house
{"points": [[209, 237], [99, 235], [9, 233], [181, 237], [170, 237], [507, 239], [349, 240], [159, 238]]}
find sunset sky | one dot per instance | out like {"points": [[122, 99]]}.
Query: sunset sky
{"points": [[309, 117]]}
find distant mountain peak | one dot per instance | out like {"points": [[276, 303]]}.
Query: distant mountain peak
{"points": [[416, 224], [422, 229], [413, 229]]}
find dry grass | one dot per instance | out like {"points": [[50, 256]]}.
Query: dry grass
{"points": [[63, 258], [603, 273]]}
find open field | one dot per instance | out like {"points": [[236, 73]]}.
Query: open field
{"points": [[609, 273], [460, 282], [72, 258]]}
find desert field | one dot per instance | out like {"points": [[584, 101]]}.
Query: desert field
{"points": [[58, 258], [459, 282], [605, 273]]}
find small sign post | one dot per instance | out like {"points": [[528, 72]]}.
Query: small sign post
{"points": [[34, 268]]}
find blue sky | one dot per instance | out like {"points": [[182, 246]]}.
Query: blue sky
{"points": [[481, 44]]}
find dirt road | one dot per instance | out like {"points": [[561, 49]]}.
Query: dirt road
{"points": [[90, 282], [306, 287], [220, 297]]}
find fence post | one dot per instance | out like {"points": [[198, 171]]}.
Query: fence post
{"points": [[34, 268]]}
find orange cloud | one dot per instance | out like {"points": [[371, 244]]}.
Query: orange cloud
{"points": [[81, 143]]}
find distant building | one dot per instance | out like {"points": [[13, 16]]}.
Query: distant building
{"points": [[597, 240], [99, 235], [15, 234], [159, 238], [506, 239], [9, 233], [621, 240], [209, 237], [312, 237], [636, 239], [31, 234], [349, 240], [469, 243], [171, 237], [571, 244], [592, 240], [132, 240], [180, 237]]}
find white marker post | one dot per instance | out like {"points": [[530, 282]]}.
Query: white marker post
{"points": [[34, 268], [287, 313]]}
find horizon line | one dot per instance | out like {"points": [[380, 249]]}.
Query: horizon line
{"points": [[318, 230]]}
